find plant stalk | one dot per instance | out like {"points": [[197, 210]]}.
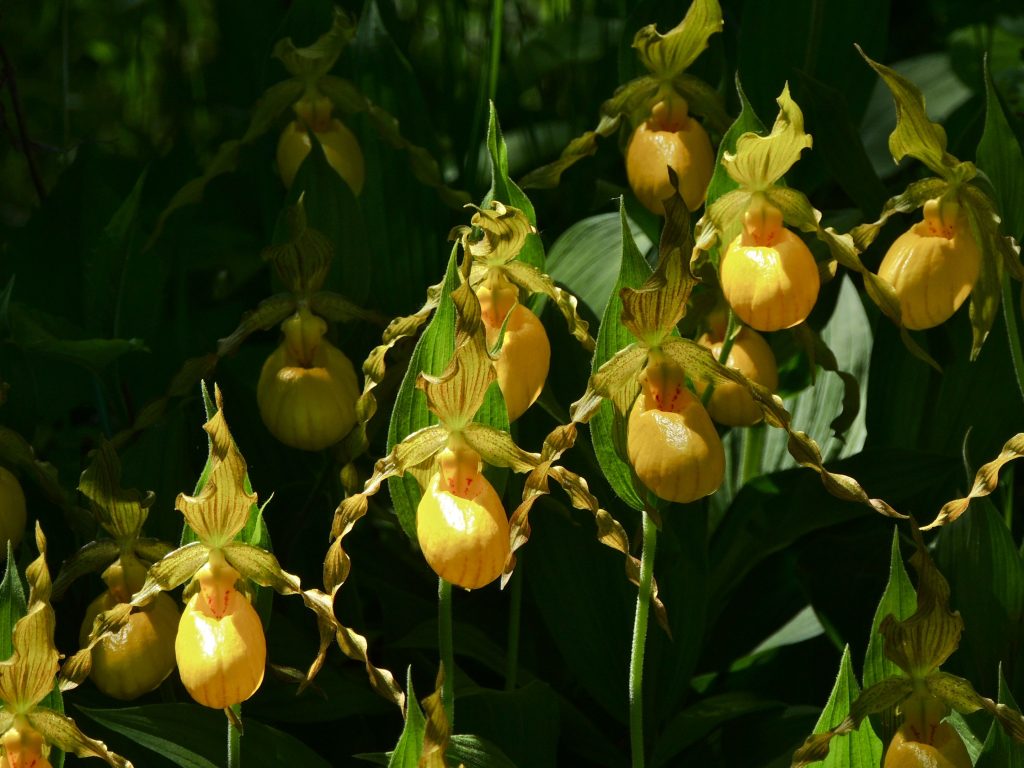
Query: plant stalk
{"points": [[636, 662], [515, 610], [723, 355], [446, 647], [488, 89]]}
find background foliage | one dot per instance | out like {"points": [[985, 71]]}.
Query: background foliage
{"points": [[766, 584]]}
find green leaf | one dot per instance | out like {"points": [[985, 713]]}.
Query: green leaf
{"points": [[410, 743], [980, 559], [225, 161], [838, 143], [586, 258], [504, 190], [584, 602], [40, 333], [772, 512], [410, 413], [862, 747], [900, 600], [12, 604], [475, 752], [332, 209], [814, 409], [1000, 750], [1001, 158], [747, 122], [700, 719], [105, 265], [608, 426], [274, 102], [523, 725], [192, 736]]}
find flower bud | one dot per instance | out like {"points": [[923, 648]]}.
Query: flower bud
{"points": [[933, 266], [23, 747], [340, 145], [460, 522], [525, 357], [750, 354], [308, 389], [672, 444], [12, 511], [768, 274], [220, 647], [140, 656], [669, 138]]}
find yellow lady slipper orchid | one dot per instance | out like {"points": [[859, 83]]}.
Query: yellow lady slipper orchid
{"points": [[669, 138], [23, 747], [220, 646], [12, 511], [460, 522], [768, 274], [138, 657], [730, 403], [340, 145], [525, 357], [933, 266], [672, 444], [940, 747], [308, 388]]}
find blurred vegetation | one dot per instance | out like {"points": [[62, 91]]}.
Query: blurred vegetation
{"points": [[116, 105]]}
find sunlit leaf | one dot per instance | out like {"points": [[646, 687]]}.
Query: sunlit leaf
{"points": [[863, 747], [608, 426], [410, 413]]}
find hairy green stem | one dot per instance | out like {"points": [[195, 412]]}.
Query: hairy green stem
{"points": [[753, 448], [235, 740], [1010, 315], [514, 613], [636, 662], [446, 647]]}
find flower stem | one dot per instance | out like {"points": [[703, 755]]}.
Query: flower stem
{"points": [[497, 19], [1010, 315], [488, 88], [446, 647], [514, 613], [723, 355], [636, 663], [235, 740]]}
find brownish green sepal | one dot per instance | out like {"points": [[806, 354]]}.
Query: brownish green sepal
{"points": [[985, 482], [220, 510], [492, 243], [28, 676], [920, 644], [915, 135]]}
